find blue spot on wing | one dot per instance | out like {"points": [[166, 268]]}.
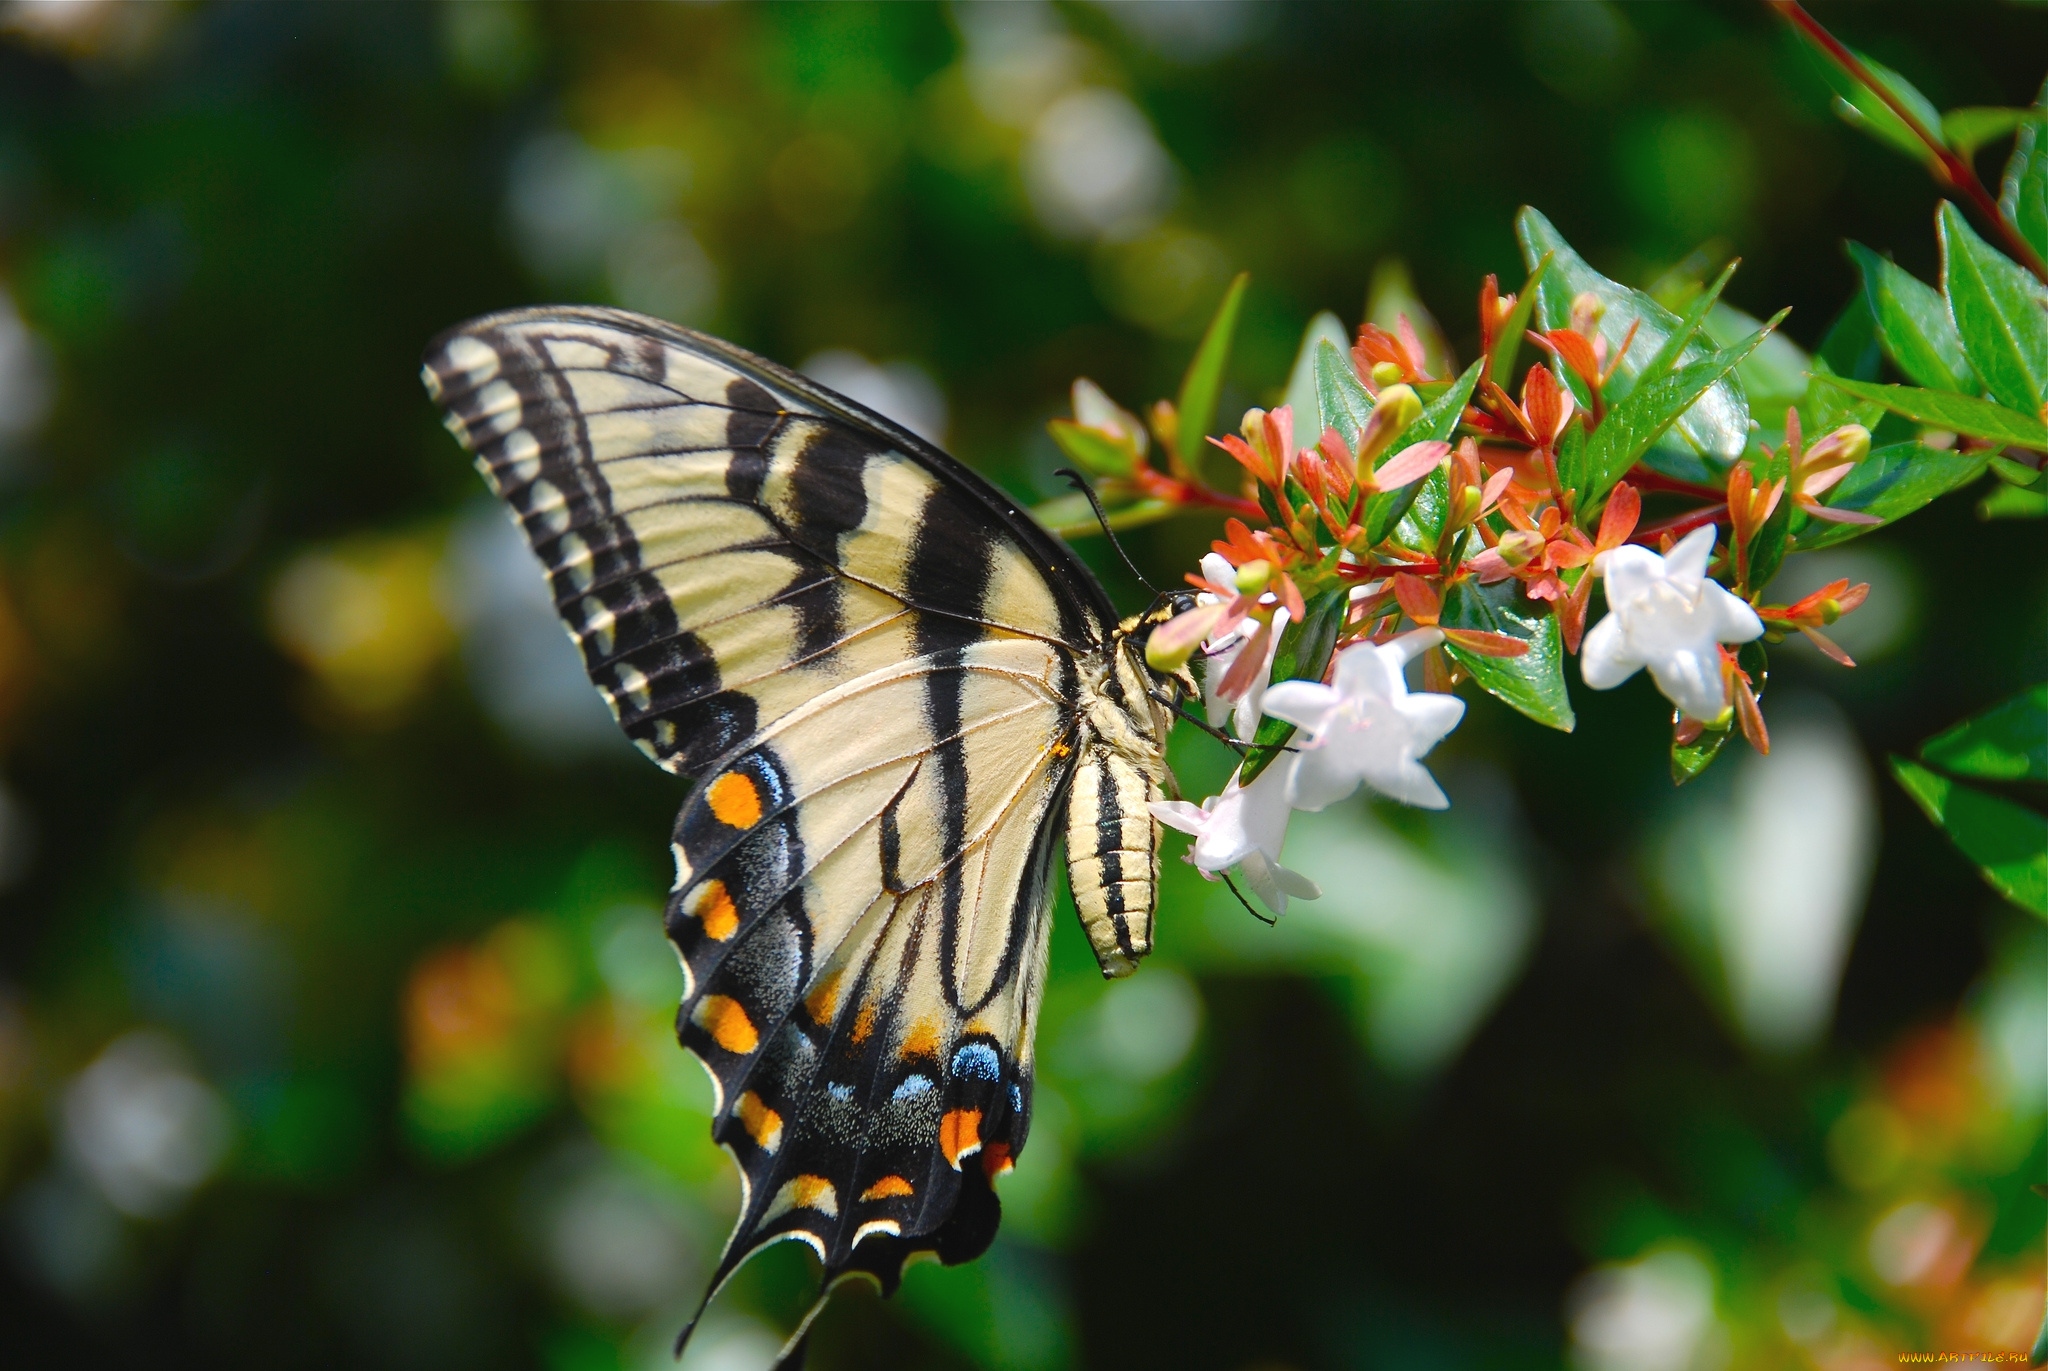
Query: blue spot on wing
{"points": [[978, 1060]]}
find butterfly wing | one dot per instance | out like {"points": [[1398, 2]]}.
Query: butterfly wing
{"points": [[868, 662]]}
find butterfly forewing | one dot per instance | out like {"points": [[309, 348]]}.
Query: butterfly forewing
{"points": [[872, 668]]}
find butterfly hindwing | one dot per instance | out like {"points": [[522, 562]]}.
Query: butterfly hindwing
{"points": [[870, 666], [863, 977]]}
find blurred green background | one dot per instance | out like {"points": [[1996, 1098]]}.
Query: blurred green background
{"points": [[334, 1011]]}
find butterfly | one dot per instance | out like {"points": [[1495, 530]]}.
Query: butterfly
{"points": [[892, 694]]}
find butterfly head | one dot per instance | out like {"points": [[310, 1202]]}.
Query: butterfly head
{"points": [[1136, 630]]}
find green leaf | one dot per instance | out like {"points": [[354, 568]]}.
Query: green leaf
{"points": [[1717, 426], [1342, 401], [1202, 385], [1913, 324], [1071, 516], [1422, 523], [1416, 512], [1439, 418], [1533, 682], [1774, 377], [1767, 552], [1303, 655], [1862, 108], [1972, 126], [2007, 742], [1571, 457], [2023, 198], [2014, 472], [1097, 453], [1508, 345], [1301, 380], [1688, 328], [1688, 760], [1827, 408], [1851, 347], [1939, 409], [2008, 843], [1890, 483], [1633, 425], [2013, 502], [2000, 310]]}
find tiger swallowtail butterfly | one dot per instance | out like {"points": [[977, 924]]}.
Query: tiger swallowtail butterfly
{"points": [[891, 693]]}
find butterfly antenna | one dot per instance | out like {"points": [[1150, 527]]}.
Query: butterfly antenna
{"points": [[1080, 483], [1246, 903]]}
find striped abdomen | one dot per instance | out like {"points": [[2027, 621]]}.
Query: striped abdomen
{"points": [[1113, 855]]}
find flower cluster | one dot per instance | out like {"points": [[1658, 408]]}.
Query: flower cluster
{"points": [[1463, 525]]}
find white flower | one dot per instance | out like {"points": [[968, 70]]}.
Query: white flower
{"points": [[1244, 827], [1221, 651], [1667, 615], [1244, 711], [1367, 727]]}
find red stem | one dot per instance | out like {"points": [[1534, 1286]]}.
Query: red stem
{"points": [[1954, 171], [1352, 571], [1643, 478], [1683, 524], [1180, 492], [1557, 490]]}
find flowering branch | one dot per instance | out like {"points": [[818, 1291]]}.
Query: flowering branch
{"points": [[1952, 169], [1462, 526]]}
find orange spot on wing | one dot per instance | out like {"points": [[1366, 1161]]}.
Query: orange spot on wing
{"points": [[726, 1021], [995, 1159], [734, 800], [960, 1135], [1060, 750], [714, 906], [923, 1038], [887, 1188], [763, 1124], [864, 1023], [823, 1002]]}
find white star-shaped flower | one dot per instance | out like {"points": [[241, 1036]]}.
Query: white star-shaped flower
{"points": [[1367, 727], [1667, 614], [1244, 827], [1222, 649]]}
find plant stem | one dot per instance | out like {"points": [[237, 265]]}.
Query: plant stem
{"points": [[1643, 478], [1683, 524], [1361, 571], [1181, 492], [1954, 171]]}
